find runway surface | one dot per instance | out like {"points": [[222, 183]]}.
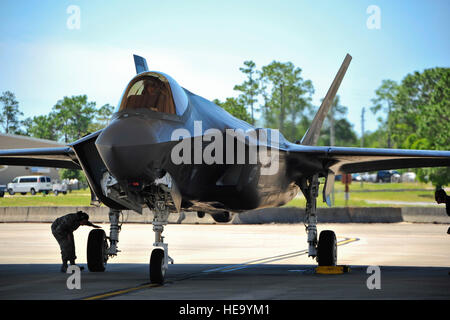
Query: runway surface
{"points": [[234, 262]]}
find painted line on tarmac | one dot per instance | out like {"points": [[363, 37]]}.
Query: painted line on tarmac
{"points": [[121, 292], [258, 261], [271, 259]]}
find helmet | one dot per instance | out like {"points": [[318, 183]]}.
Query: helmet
{"points": [[440, 194], [82, 215]]}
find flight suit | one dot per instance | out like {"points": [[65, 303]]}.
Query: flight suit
{"points": [[447, 208], [62, 229], [447, 205]]}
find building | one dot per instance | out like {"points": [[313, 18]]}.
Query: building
{"points": [[11, 141]]}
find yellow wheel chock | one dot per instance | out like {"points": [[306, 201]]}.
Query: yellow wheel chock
{"points": [[332, 269]]}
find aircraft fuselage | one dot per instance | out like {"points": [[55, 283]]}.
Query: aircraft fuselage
{"points": [[138, 147]]}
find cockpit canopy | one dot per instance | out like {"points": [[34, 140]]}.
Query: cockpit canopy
{"points": [[154, 91]]}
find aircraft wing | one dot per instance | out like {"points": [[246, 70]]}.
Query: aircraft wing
{"points": [[59, 157], [351, 160]]}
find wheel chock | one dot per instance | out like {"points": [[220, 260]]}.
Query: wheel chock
{"points": [[332, 269]]}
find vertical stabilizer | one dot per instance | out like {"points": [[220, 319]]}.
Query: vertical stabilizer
{"points": [[140, 63], [312, 134]]}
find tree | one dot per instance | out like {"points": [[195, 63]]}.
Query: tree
{"points": [[102, 118], [385, 100], [421, 107], [73, 174], [419, 116], [428, 95], [73, 116], [286, 96], [249, 88], [376, 139], [337, 130], [336, 110], [234, 107], [299, 97], [61, 122], [43, 127], [434, 115], [9, 116]]}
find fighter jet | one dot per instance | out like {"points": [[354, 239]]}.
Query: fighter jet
{"points": [[171, 150]]}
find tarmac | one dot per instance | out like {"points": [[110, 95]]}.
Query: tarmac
{"points": [[234, 262]]}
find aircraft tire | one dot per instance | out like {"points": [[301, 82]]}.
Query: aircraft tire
{"points": [[327, 249], [96, 250], [157, 271], [200, 214], [222, 217]]}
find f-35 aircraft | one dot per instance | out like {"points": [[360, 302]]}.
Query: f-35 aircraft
{"points": [[170, 150]]}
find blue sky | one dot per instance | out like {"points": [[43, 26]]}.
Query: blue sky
{"points": [[202, 44]]}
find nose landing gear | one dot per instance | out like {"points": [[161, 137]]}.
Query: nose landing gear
{"points": [[159, 259]]}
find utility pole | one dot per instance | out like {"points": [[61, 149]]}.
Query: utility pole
{"points": [[362, 127], [332, 132], [362, 136], [332, 143]]}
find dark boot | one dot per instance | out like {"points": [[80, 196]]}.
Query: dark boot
{"points": [[72, 263], [64, 267]]}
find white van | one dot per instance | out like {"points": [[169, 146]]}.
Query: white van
{"points": [[32, 184]]}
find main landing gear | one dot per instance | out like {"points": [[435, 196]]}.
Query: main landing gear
{"points": [[325, 249]]}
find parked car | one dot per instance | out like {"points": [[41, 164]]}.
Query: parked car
{"points": [[388, 176], [356, 177], [408, 177], [59, 187], [365, 176], [395, 177], [369, 177], [2, 190], [31, 184]]}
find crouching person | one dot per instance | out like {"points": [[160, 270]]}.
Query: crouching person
{"points": [[63, 228]]}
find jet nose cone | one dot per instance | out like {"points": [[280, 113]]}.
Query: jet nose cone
{"points": [[124, 147]]}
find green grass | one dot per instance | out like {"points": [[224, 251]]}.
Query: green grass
{"points": [[76, 198], [356, 186], [375, 192], [357, 198]]}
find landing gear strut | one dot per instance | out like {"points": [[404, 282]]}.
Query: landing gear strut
{"points": [[159, 259], [114, 230], [324, 250]]}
